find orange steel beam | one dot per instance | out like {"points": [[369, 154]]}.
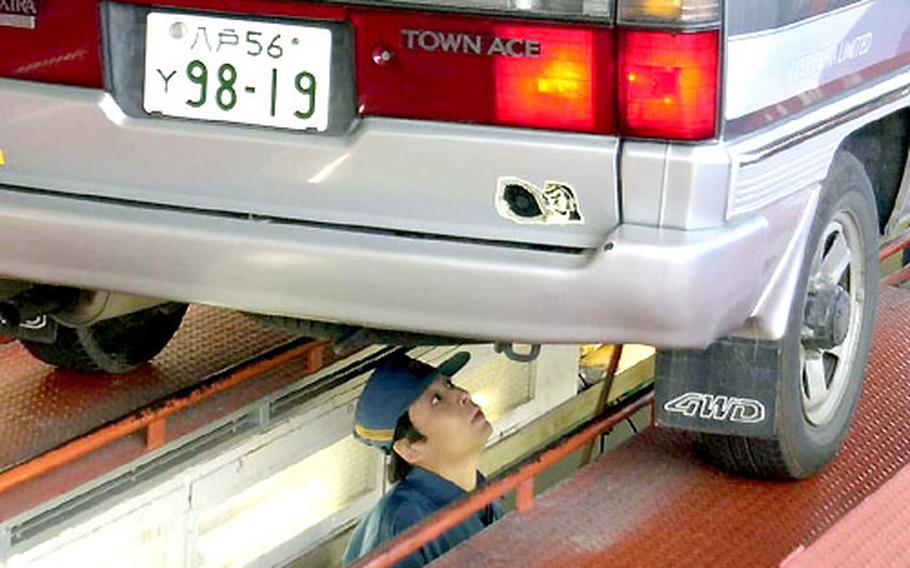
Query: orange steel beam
{"points": [[430, 529], [154, 414], [156, 434], [895, 245], [524, 496], [898, 277]]}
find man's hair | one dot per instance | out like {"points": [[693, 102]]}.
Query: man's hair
{"points": [[404, 429]]}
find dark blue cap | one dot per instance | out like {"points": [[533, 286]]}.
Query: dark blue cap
{"points": [[391, 390]]}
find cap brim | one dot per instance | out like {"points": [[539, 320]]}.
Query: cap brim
{"points": [[454, 363]]}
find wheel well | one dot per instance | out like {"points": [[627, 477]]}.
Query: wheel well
{"points": [[882, 147]]}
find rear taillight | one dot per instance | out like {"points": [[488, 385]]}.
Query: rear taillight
{"points": [[467, 69], [669, 56], [668, 84], [560, 88], [60, 43], [655, 75]]}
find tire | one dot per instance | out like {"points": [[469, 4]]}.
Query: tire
{"points": [[116, 346], [817, 395]]}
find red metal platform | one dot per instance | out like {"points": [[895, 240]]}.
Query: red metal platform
{"points": [[649, 503], [60, 430], [41, 407]]}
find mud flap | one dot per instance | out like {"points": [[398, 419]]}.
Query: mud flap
{"points": [[729, 388]]}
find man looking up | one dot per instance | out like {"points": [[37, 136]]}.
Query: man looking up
{"points": [[435, 435]]}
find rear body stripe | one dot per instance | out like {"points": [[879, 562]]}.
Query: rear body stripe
{"points": [[771, 77]]}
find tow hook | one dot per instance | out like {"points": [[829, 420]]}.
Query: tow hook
{"points": [[508, 349]]}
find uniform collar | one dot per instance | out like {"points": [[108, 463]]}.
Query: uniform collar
{"points": [[439, 489]]}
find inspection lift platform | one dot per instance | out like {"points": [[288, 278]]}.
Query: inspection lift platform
{"points": [[649, 503], [652, 503], [173, 466], [93, 463], [233, 448]]}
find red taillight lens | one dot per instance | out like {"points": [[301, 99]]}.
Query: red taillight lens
{"points": [[64, 47], [668, 84], [479, 70]]}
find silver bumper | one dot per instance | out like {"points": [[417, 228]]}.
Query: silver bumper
{"points": [[417, 176], [665, 287]]}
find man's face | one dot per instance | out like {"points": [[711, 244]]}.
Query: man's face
{"points": [[455, 427]]}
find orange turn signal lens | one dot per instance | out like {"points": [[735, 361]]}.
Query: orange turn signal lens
{"points": [[559, 89]]}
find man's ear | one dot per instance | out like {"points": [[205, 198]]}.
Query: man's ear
{"points": [[409, 451]]}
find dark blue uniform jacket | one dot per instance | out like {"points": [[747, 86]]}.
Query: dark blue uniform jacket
{"points": [[410, 501]]}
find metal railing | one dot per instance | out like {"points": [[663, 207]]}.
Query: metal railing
{"points": [[153, 417], [520, 479], [898, 244]]}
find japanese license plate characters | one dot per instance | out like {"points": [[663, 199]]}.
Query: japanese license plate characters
{"points": [[237, 71]]}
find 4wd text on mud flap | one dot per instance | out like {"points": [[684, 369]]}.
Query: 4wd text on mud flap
{"points": [[717, 407]]}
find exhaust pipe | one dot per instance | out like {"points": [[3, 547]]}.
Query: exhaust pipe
{"points": [[69, 307], [37, 302], [94, 306], [31, 304]]}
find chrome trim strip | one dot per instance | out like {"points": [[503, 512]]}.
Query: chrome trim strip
{"points": [[17, 21], [777, 75], [791, 140]]}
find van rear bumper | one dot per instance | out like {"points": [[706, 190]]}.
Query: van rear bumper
{"points": [[669, 288]]}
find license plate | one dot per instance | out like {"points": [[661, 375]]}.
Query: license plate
{"points": [[239, 71]]}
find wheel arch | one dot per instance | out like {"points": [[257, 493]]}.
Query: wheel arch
{"points": [[883, 146]]}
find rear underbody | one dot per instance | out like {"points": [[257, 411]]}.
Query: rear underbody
{"points": [[508, 178]]}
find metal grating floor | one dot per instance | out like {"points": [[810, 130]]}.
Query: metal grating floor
{"points": [[40, 407], [873, 534], [650, 503]]}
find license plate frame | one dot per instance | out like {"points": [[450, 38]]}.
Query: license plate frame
{"points": [[238, 70]]}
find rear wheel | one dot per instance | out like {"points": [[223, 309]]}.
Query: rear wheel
{"points": [[824, 353], [117, 345]]}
